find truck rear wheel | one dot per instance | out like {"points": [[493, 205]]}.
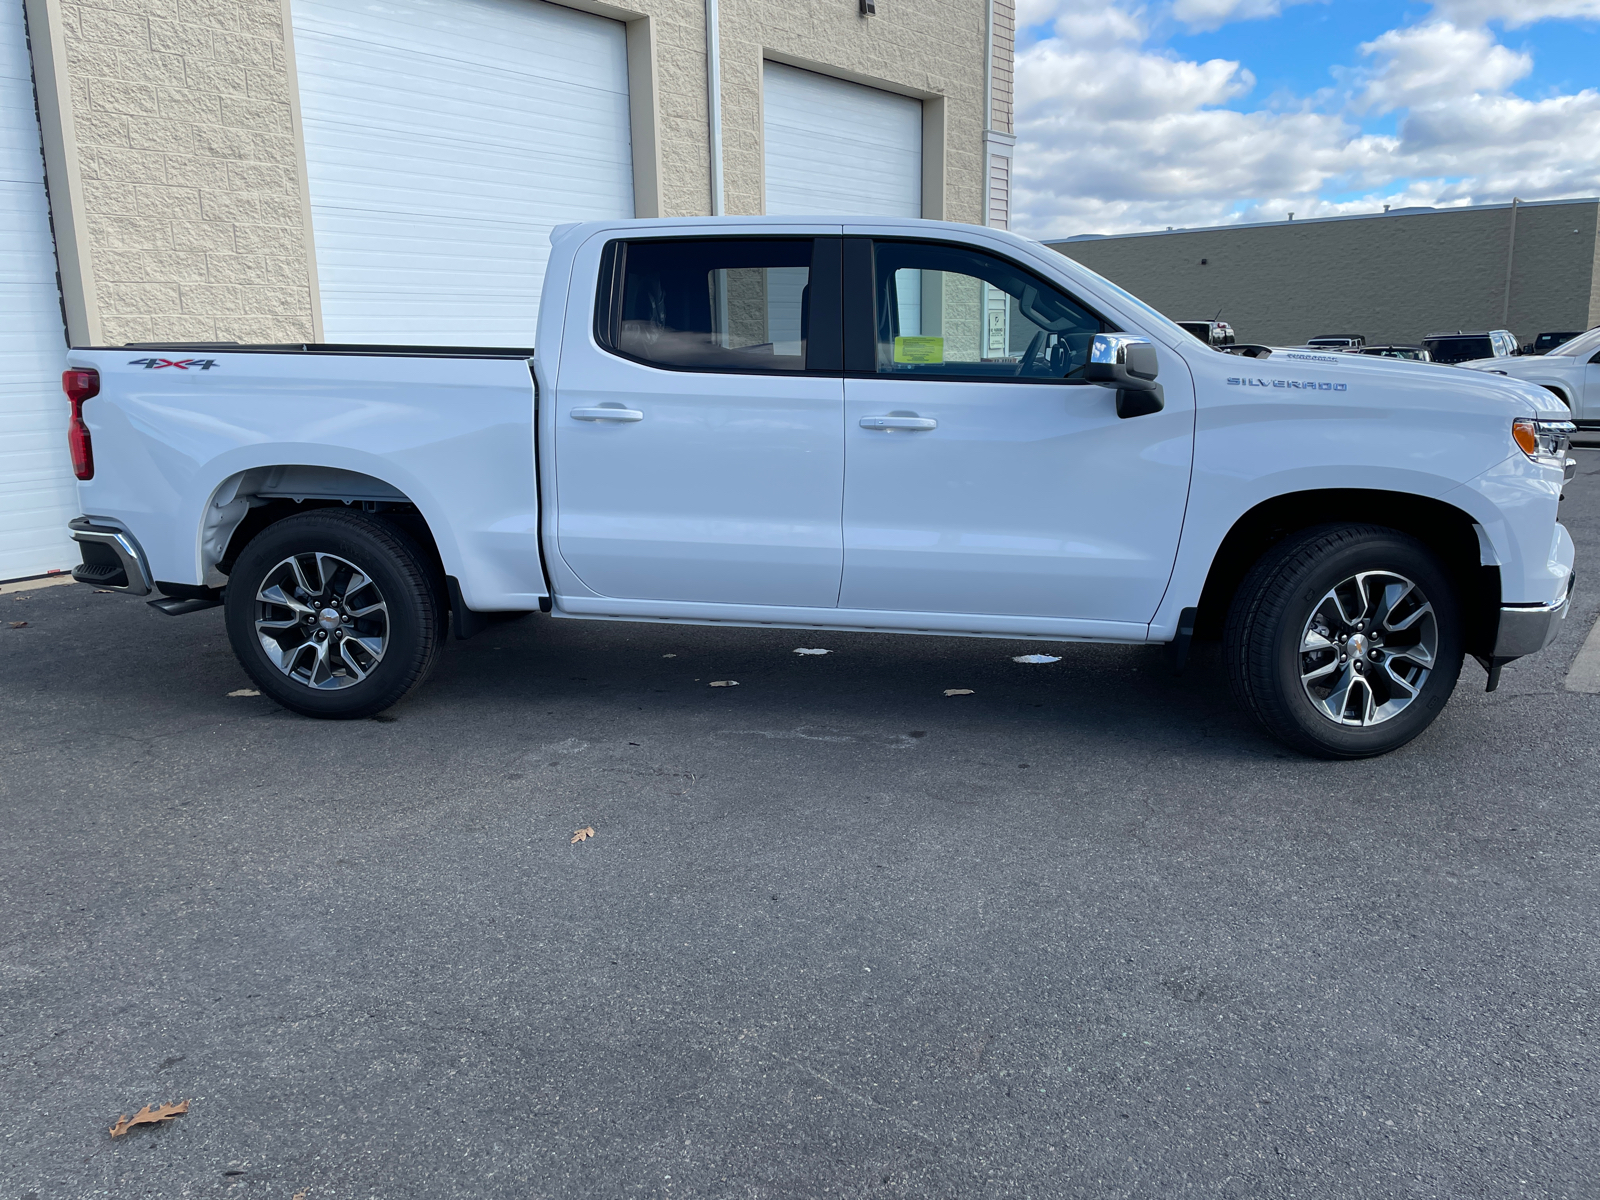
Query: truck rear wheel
{"points": [[1345, 641], [333, 614]]}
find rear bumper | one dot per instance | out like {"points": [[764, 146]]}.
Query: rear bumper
{"points": [[112, 559], [1528, 628]]}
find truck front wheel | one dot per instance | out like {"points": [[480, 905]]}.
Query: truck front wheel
{"points": [[333, 614], [1345, 641]]}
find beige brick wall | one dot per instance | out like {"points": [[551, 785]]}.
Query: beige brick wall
{"points": [[191, 188], [1003, 66], [192, 201], [1393, 278]]}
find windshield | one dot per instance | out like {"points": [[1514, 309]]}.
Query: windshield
{"points": [[1166, 323], [1578, 346]]}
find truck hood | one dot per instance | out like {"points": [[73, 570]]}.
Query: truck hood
{"points": [[1394, 382]]}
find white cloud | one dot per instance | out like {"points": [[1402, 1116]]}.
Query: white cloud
{"points": [[1213, 14], [1116, 137], [1085, 20], [1427, 64], [1516, 13]]}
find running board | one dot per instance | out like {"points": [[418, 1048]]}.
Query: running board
{"points": [[175, 606]]}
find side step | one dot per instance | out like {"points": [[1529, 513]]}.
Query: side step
{"points": [[176, 606]]}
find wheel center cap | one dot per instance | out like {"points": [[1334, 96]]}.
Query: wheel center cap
{"points": [[328, 618], [1357, 645]]}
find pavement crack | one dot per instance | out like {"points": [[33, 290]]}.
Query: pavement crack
{"points": [[864, 1101]]}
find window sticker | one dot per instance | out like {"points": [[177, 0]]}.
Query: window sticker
{"points": [[919, 349]]}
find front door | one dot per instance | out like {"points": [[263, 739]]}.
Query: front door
{"points": [[699, 441], [983, 476]]}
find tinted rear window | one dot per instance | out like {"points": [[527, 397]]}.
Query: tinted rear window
{"points": [[1460, 349]]}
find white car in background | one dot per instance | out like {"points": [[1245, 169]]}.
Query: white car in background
{"points": [[1571, 371]]}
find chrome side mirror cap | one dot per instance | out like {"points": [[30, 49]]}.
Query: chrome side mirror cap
{"points": [[1129, 363]]}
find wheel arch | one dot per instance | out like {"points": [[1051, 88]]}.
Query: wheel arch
{"points": [[1449, 531], [250, 501]]}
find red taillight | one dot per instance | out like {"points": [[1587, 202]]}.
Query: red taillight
{"points": [[80, 385]]}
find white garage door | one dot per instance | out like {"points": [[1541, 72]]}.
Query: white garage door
{"points": [[445, 138], [839, 148], [37, 493]]}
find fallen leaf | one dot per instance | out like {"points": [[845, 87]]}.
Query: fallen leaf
{"points": [[1035, 658], [724, 683], [959, 692], [245, 692], [582, 835], [150, 1114], [18, 624], [803, 650]]}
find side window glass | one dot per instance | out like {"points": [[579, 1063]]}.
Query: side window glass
{"points": [[740, 304], [950, 311]]}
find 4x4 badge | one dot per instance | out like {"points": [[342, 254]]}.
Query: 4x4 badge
{"points": [[183, 364]]}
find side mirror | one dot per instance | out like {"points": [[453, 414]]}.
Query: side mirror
{"points": [[1127, 362]]}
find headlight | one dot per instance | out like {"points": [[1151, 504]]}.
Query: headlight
{"points": [[1543, 441]]}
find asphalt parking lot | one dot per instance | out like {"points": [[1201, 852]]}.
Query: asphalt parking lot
{"points": [[1084, 932]]}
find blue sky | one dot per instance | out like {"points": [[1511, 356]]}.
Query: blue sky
{"points": [[1198, 112]]}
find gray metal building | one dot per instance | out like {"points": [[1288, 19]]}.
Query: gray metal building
{"points": [[1393, 276]]}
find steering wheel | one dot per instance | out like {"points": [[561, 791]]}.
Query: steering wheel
{"points": [[1031, 356]]}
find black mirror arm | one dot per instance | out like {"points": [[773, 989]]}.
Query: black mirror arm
{"points": [[1138, 393]]}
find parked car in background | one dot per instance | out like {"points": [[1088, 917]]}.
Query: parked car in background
{"points": [[1547, 342], [1571, 371], [1412, 353], [1337, 341], [1460, 347], [1212, 333]]}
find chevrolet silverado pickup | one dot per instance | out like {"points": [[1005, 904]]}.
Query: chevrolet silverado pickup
{"points": [[885, 425]]}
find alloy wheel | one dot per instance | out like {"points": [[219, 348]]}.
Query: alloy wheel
{"points": [[1368, 648], [321, 620]]}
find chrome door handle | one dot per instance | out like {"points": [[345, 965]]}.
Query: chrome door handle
{"points": [[899, 423], [606, 414]]}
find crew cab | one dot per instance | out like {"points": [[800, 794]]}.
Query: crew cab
{"points": [[1570, 371], [884, 425]]}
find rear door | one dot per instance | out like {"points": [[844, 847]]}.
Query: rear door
{"points": [[699, 430], [984, 476]]}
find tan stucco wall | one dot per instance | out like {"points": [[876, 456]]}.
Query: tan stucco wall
{"points": [[181, 117], [1392, 278], [191, 191]]}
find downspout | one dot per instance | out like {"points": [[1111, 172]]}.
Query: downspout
{"points": [[1511, 252], [714, 94], [988, 103]]}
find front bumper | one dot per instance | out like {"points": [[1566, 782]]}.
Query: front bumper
{"points": [[1529, 628], [112, 559]]}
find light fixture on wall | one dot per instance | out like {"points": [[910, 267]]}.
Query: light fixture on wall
{"points": [[868, 7]]}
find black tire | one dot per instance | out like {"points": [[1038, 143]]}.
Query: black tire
{"points": [[1287, 597], [336, 676]]}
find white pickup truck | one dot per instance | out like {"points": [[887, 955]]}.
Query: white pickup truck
{"points": [[1571, 371], [886, 425]]}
